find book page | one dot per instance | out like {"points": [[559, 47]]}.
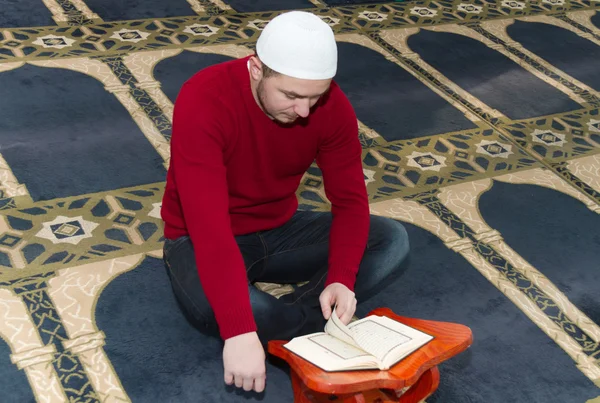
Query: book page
{"points": [[330, 353], [377, 339], [339, 349], [387, 339], [337, 329]]}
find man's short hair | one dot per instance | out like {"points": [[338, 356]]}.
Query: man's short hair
{"points": [[267, 71]]}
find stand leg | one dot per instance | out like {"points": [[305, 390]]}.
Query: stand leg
{"points": [[303, 394], [425, 386]]}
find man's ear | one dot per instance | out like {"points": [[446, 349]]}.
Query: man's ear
{"points": [[255, 68]]}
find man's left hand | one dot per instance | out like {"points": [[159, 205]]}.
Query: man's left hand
{"points": [[338, 294]]}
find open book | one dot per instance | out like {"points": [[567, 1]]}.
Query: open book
{"points": [[375, 342]]}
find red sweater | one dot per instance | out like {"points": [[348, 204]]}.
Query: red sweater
{"points": [[234, 171]]}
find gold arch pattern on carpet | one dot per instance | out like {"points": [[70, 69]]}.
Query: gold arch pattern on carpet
{"points": [[444, 200]]}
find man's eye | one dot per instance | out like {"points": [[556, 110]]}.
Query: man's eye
{"points": [[290, 96]]}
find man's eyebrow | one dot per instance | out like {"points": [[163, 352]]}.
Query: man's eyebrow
{"points": [[296, 95]]}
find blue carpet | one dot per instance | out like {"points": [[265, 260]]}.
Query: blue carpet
{"points": [[116, 10], [62, 134], [508, 360], [596, 19], [557, 223], [175, 71], [56, 119], [350, 2], [495, 79], [13, 379], [251, 6], [393, 102], [24, 13], [158, 356], [564, 49]]}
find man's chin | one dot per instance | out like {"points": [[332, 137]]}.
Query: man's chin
{"points": [[286, 120]]}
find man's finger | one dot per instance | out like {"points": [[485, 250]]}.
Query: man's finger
{"points": [[228, 378], [350, 308], [346, 316], [259, 384], [326, 311], [325, 300], [248, 384]]}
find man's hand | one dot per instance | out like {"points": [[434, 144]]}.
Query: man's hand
{"points": [[338, 294], [244, 362]]}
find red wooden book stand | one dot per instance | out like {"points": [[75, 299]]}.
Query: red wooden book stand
{"points": [[410, 381]]}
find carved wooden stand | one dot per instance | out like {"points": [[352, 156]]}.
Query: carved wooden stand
{"points": [[410, 381]]}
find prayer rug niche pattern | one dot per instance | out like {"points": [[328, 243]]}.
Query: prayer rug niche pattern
{"points": [[480, 128]]}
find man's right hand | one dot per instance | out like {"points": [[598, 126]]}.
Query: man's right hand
{"points": [[244, 362]]}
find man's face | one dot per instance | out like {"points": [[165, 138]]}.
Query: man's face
{"points": [[285, 98]]}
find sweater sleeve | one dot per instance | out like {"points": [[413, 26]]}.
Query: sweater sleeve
{"points": [[198, 145], [339, 159]]}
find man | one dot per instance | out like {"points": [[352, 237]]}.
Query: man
{"points": [[244, 133]]}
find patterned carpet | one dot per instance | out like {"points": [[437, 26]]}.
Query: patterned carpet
{"points": [[481, 132]]}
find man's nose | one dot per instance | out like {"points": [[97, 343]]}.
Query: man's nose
{"points": [[302, 107]]}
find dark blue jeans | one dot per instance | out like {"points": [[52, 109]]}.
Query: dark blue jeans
{"points": [[293, 253]]}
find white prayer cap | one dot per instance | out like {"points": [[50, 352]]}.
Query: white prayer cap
{"points": [[299, 44]]}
